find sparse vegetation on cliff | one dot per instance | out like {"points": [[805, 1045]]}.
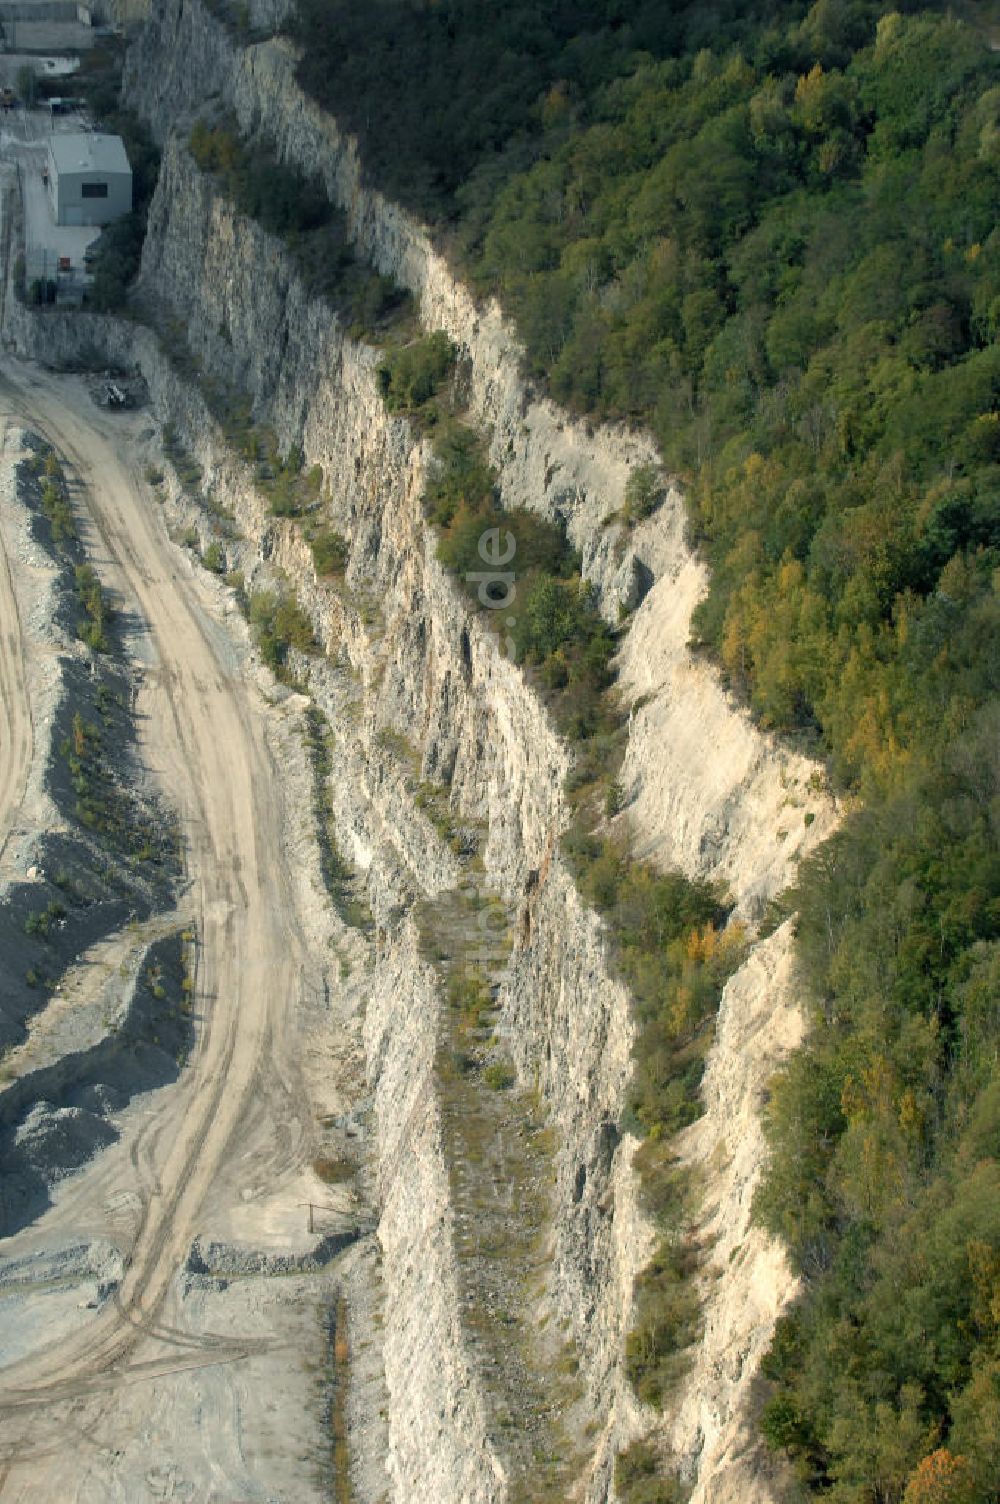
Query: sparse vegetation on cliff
{"points": [[342, 885], [499, 1149], [296, 208], [556, 630], [639, 1478], [671, 941], [667, 934]]}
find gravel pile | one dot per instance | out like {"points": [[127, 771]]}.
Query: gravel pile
{"points": [[227, 1261], [54, 1141]]}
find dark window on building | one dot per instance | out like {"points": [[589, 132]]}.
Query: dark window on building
{"points": [[93, 190]]}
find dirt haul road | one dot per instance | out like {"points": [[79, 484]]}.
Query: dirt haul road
{"points": [[15, 708], [203, 731]]}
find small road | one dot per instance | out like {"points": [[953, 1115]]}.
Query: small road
{"points": [[203, 731], [15, 709]]}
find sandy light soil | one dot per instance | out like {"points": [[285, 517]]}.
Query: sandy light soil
{"points": [[159, 1384]]}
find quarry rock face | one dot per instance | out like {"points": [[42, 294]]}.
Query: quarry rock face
{"points": [[406, 660]]}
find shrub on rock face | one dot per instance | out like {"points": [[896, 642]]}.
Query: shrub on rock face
{"points": [[330, 551], [279, 623], [410, 377], [666, 1322], [644, 492], [639, 1478]]}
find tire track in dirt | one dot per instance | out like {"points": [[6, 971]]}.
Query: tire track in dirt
{"points": [[209, 745]]}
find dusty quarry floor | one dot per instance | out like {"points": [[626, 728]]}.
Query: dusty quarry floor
{"points": [[123, 1374]]}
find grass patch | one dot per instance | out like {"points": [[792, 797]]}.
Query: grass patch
{"points": [[186, 467], [499, 1076], [666, 1313], [499, 1153], [639, 1479], [670, 939]]}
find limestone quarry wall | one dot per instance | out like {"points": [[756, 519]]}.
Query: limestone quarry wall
{"points": [[431, 673], [706, 791]]}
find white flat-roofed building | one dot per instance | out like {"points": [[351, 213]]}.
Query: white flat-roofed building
{"points": [[90, 181]]}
